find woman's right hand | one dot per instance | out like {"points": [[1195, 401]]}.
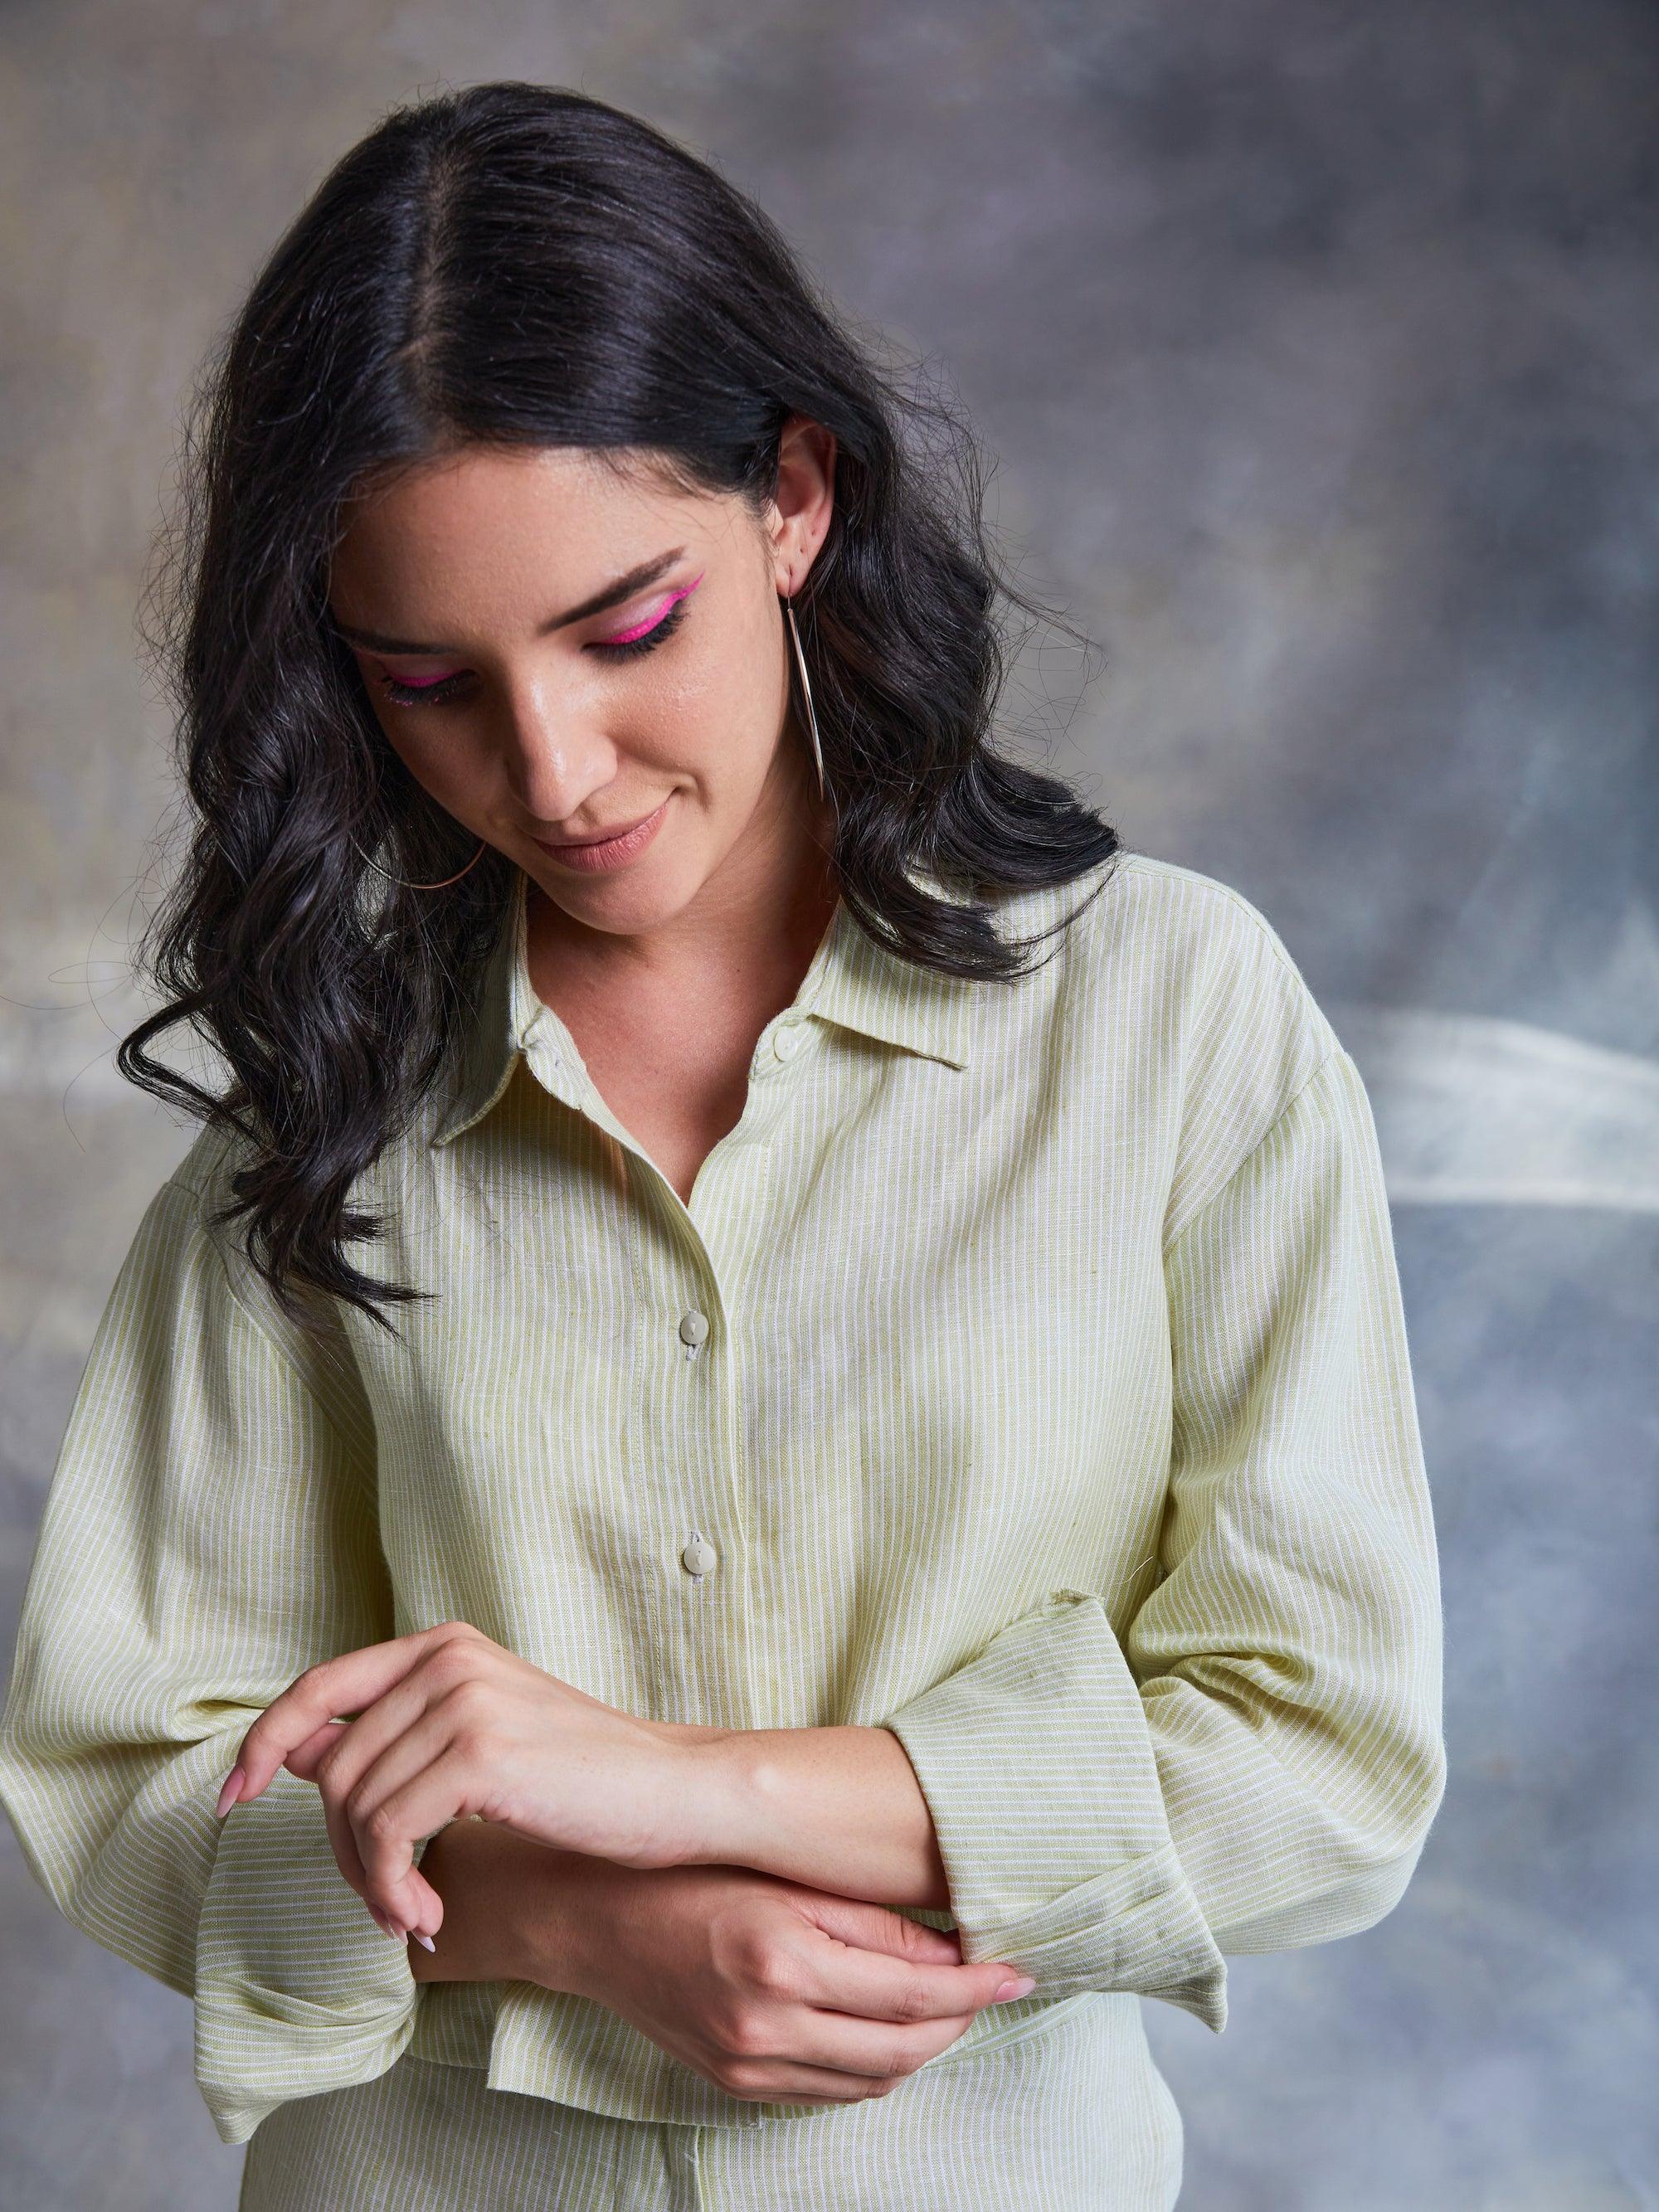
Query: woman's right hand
{"points": [[774, 1991]]}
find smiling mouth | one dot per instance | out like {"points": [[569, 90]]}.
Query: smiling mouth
{"points": [[607, 837], [594, 855]]}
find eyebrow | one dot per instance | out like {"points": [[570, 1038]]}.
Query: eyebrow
{"points": [[624, 588]]}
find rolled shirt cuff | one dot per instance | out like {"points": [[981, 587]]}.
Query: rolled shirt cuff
{"points": [[297, 1990], [1037, 1767]]}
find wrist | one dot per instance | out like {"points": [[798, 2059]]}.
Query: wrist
{"points": [[560, 1918], [728, 1790], [509, 1906], [838, 1807]]}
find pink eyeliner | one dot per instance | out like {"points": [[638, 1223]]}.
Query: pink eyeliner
{"points": [[421, 683], [659, 613]]}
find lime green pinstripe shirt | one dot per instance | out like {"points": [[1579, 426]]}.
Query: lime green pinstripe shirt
{"points": [[1027, 1374]]}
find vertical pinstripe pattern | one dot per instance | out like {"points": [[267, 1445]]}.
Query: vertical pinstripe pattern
{"points": [[1054, 1411], [1023, 2122]]}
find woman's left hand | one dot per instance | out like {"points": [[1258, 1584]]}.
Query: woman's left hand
{"points": [[402, 1738]]}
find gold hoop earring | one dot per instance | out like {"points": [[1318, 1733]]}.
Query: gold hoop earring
{"points": [[806, 690], [455, 878]]}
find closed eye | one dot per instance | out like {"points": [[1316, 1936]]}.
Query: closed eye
{"points": [[624, 646], [423, 694], [646, 637]]}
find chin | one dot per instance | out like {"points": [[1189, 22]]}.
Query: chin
{"points": [[629, 901]]}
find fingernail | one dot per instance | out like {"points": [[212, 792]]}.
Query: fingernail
{"points": [[1021, 1986], [380, 1919], [230, 1792], [425, 1939]]}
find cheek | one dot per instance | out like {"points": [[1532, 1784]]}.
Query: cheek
{"points": [[447, 764], [719, 715]]}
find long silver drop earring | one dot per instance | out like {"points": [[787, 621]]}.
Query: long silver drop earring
{"points": [[806, 690], [391, 878]]}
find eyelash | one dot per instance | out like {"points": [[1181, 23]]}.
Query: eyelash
{"points": [[437, 695]]}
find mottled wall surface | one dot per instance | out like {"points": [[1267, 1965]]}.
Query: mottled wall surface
{"points": [[1318, 344]]}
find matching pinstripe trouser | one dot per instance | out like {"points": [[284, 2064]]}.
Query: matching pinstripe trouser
{"points": [[1068, 2114]]}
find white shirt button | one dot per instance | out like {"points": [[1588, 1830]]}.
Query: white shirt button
{"points": [[784, 1041], [698, 1556], [694, 1328]]}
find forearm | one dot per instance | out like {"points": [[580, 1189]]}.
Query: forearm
{"points": [[839, 1808]]}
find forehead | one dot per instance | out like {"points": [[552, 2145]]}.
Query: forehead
{"points": [[560, 496], [500, 534]]}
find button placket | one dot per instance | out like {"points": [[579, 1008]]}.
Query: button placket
{"points": [[698, 1555], [693, 1412]]}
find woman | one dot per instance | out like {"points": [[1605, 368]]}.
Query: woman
{"points": [[859, 1507]]}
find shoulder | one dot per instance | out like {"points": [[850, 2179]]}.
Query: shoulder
{"points": [[1210, 958], [202, 1196], [1195, 934], [202, 1192], [203, 1177], [193, 1251], [1179, 988]]}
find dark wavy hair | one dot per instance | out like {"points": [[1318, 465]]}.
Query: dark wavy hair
{"points": [[516, 264]]}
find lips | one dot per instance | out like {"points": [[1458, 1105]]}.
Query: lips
{"points": [[618, 848], [605, 837]]}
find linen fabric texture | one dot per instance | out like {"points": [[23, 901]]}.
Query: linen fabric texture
{"points": [[1054, 1411]]}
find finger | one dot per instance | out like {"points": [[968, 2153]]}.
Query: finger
{"points": [[841, 1978], [344, 1844], [878, 1927], [388, 1828], [421, 1914], [302, 1759], [829, 2058], [333, 1688], [869, 2050], [790, 2082], [339, 1755], [355, 1748]]}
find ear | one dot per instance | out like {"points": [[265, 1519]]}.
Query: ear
{"points": [[800, 511]]}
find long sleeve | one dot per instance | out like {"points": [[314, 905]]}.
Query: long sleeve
{"points": [[210, 1532], [1255, 1765]]}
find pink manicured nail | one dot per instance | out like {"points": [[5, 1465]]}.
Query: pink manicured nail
{"points": [[231, 1791], [1021, 1986], [425, 1939]]}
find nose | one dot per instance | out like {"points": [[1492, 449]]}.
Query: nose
{"points": [[556, 759]]}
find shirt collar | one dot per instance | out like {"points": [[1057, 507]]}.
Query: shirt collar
{"points": [[852, 982]]}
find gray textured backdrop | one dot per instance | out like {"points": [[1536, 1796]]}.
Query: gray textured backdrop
{"points": [[1318, 344]]}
